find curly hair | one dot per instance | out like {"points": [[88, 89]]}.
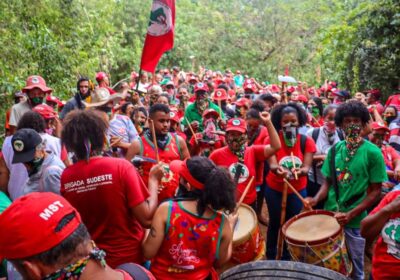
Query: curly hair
{"points": [[82, 129], [354, 109], [32, 120], [280, 110], [219, 188]]}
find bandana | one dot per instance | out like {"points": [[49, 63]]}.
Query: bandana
{"points": [[162, 140], [290, 134], [353, 138], [74, 271], [314, 111], [241, 142], [389, 119], [378, 139]]}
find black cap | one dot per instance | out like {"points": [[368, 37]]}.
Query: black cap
{"points": [[24, 143]]}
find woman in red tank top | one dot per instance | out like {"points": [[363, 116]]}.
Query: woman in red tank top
{"points": [[188, 237]]}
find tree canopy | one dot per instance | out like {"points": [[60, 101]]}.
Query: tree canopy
{"points": [[355, 42]]}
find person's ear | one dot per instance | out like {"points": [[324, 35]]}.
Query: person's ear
{"points": [[31, 270]]}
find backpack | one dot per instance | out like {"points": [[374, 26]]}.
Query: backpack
{"points": [[315, 134]]}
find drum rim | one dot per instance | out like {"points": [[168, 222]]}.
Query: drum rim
{"points": [[251, 232], [313, 242]]}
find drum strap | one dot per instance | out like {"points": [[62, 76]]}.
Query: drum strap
{"points": [[333, 172]]}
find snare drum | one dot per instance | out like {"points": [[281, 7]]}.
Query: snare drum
{"points": [[315, 237], [248, 243]]}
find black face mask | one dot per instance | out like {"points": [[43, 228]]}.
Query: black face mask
{"points": [[390, 119], [35, 166]]}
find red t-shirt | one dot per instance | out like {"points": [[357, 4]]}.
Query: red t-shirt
{"points": [[284, 159], [104, 190], [252, 156], [386, 257], [263, 137], [389, 155], [205, 149]]}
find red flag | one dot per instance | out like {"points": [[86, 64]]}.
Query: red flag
{"points": [[160, 34]]}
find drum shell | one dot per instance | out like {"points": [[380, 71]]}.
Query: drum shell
{"points": [[251, 246], [329, 252]]}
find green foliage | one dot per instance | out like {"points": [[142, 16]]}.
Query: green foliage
{"points": [[355, 42]]}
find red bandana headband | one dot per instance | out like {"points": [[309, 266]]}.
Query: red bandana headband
{"points": [[185, 173]]}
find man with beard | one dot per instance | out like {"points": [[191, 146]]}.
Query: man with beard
{"points": [[355, 184], [35, 90], [83, 87], [168, 148], [240, 159], [194, 111]]}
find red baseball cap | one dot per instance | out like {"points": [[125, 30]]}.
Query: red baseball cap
{"points": [[208, 112], [243, 102], [52, 98], [46, 111], [200, 87], [302, 98], [36, 82], [100, 76], [236, 124], [275, 88], [379, 125], [220, 94], [291, 89], [180, 167], [173, 116], [31, 225], [375, 92]]}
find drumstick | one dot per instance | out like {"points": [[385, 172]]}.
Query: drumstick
{"points": [[297, 194], [246, 190], [283, 217], [220, 108], [191, 130], [294, 166], [153, 132]]}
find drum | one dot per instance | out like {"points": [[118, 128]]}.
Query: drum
{"points": [[315, 237], [248, 243]]}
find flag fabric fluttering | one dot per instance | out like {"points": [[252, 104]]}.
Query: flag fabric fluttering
{"points": [[160, 34]]}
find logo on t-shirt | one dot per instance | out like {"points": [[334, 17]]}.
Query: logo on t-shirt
{"points": [[244, 172], [391, 236], [290, 162]]}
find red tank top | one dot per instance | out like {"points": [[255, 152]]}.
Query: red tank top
{"points": [[190, 247], [171, 152]]}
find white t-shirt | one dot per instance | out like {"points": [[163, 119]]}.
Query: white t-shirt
{"points": [[323, 148], [17, 111]]}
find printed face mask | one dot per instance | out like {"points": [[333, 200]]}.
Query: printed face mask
{"points": [[353, 138], [201, 105], [35, 165], [290, 132]]}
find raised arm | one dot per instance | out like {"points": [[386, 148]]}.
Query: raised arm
{"points": [[275, 143]]}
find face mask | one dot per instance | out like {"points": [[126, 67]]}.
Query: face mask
{"points": [[35, 165], [290, 134], [237, 145], [313, 111], [389, 119], [210, 126], [329, 126], [353, 139], [36, 101], [201, 105]]}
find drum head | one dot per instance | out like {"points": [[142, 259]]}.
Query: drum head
{"points": [[247, 221], [311, 226]]}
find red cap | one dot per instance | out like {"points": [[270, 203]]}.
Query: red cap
{"points": [[250, 87], [29, 226], [52, 98], [46, 111], [180, 167], [212, 112], [220, 94], [291, 89], [236, 124], [375, 92], [302, 98], [173, 116], [100, 76], [379, 125], [243, 102], [36, 82], [231, 93], [275, 88], [200, 87]]}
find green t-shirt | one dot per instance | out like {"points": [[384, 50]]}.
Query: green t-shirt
{"points": [[366, 167], [192, 114]]}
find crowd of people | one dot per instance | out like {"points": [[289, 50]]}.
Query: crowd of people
{"points": [[142, 181]]}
